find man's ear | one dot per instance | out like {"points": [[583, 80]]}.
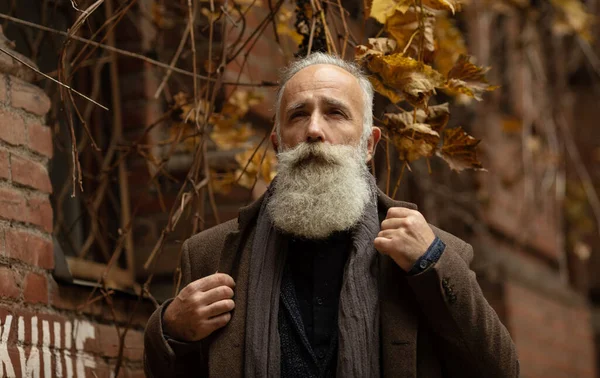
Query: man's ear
{"points": [[372, 144], [275, 141]]}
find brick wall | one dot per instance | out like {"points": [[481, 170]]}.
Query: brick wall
{"points": [[45, 330]]}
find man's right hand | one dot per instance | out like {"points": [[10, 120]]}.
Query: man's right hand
{"points": [[201, 308]]}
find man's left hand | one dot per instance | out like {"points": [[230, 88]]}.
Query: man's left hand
{"points": [[405, 236]]}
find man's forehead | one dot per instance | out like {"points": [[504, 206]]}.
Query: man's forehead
{"points": [[322, 75], [321, 80]]}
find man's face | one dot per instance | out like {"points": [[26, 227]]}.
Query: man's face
{"points": [[321, 103]]}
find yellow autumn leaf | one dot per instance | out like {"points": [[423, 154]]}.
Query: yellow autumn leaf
{"points": [[459, 150], [417, 81], [468, 79], [284, 22], [450, 44], [230, 138], [381, 10], [451, 5], [240, 102], [392, 94], [222, 182], [375, 46], [257, 164], [572, 17], [436, 116], [405, 28], [412, 140]]}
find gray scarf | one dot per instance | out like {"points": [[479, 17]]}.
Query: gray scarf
{"points": [[358, 316]]}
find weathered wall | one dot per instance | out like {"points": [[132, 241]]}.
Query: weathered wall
{"points": [[45, 331]]}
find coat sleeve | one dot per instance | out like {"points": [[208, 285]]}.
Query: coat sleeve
{"points": [[473, 341], [166, 357]]}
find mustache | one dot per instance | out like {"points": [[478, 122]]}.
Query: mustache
{"points": [[318, 153]]}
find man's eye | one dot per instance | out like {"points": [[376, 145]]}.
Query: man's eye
{"points": [[297, 115], [337, 113]]}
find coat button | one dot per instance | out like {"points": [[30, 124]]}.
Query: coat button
{"points": [[319, 301]]}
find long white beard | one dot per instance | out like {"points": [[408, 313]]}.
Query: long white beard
{"points": [[320, 189]]}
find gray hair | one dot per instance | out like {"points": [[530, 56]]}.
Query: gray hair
{"points": [[352, 68]]}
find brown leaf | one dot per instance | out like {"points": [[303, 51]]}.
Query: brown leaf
{"points": [[240, 102], [451, 5], [227, 138], [404, 27], [450, 44], [412, 140], [468, 79], [459, 150], [392, 94], [381, 10], [222, 182], [417, 81], [256, 166], [375, 46], [436, 117]]}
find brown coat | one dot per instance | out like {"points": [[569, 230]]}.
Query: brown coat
{"points": [[434, 324]]}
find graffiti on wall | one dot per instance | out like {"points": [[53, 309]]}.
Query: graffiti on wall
{"points": [[43, 348]]}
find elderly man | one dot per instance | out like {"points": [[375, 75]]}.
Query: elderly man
{"points": [[325, 275]]}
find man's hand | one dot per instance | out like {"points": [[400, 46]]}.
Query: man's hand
{"points": [[201, 308], [405, 236]]}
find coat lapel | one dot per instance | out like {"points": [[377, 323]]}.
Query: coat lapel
{"points": [[226, 353], [399, 320]]}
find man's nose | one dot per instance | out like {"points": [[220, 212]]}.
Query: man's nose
{"points": [[315, 130]]}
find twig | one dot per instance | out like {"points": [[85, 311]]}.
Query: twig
{"points": [[174, 60], [7, 52], [131, 54], [404, 165]]}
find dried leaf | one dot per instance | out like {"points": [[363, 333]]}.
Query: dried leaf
{"points": [[412, 140], [459, 150], [222, 182], [450, 44], [227, 138], [451, 5], [417, 81], [392, 94], [468, 79], [436, 117], [265, 171], [381, 10], [572, 17], [375, 46], [404, 27], [240, 102], [284, 22], [211, 16]]}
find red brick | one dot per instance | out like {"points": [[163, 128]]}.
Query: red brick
{"points": [[9, 286], [3, 89], [29, 248], [13, 205], [35, 288], [40, 213], [107, 341], [12, 128], [134, 345], [30, 173], [40, 139], [4, 165], [28, 97]]}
